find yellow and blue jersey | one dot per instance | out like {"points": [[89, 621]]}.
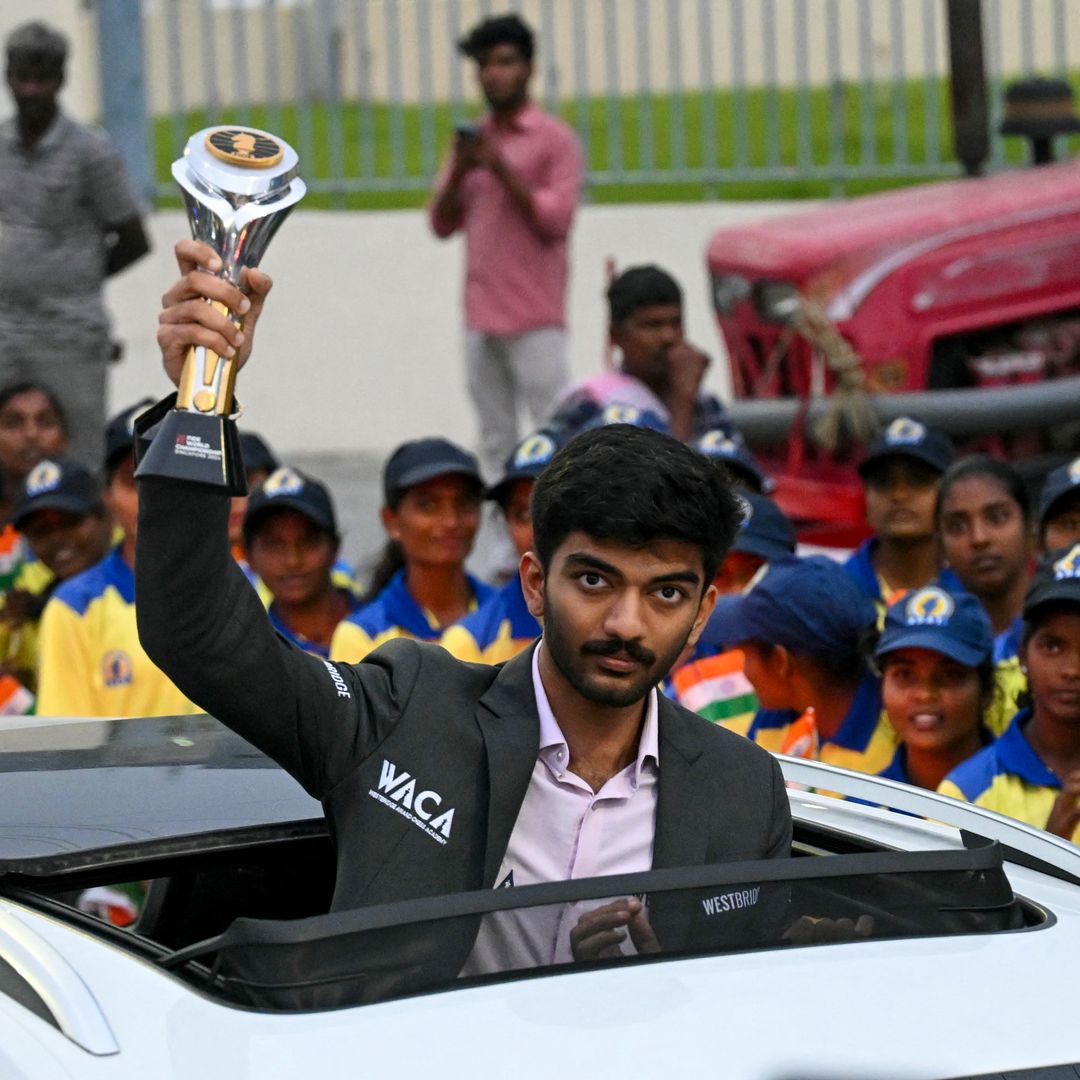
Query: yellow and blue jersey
{"points": [[865, 740], [392, 614], [498, 630], [860, 567], [1007, 643], [1008, 776], [91, 661], [291, 636]]}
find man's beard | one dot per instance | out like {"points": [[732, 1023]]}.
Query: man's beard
{"points": [[570, 661]]}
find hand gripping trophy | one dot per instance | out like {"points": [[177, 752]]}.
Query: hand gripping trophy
{"points": [[239, 185]]}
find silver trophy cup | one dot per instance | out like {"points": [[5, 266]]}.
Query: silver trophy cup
{"points": [[239, 185]]}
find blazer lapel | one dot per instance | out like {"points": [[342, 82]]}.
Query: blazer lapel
{"points": [[510, 726], [681, 834]]}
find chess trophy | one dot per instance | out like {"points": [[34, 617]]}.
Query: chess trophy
{"points": [[239, 185]]}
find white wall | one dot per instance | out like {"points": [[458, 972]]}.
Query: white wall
{"points": [[360, 346]]}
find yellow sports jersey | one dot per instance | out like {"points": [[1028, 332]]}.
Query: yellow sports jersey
{"points": [[1009, 683], [497, 631], [91, 661], [1009, 777]]}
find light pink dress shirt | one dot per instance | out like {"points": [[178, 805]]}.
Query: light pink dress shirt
{"points": [[565, 830], [515, 278]]}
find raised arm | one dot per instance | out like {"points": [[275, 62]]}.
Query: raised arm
{"points": [[201, 621]]}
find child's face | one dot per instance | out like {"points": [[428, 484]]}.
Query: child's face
{"points": [[1062, 528], [933, 702], [1052, 659]]}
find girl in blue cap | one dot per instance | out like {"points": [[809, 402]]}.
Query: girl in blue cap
{"points": [[1032, 772], [937, 679]]}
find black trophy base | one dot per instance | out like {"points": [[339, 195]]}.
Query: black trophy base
{"points": [[195, 450]]}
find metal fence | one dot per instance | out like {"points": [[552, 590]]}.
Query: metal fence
{"points": [[683, 96]]}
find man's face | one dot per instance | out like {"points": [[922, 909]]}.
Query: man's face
{"points": [[122, 496], [615, 617], [504, 76], [644, 338], [518, 511], [901, 493], [34, 88], [67, 543], [293, 556], [30, 431]]}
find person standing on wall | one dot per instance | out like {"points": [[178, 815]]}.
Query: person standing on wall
{"points": [[511, 184]]}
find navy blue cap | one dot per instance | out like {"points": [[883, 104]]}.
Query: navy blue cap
{"points": [[419, 460], [120, 432], [1056, 580], [953, 624], [56, 485], [287, 489], [256, 454], [731, 451], [526, 462], [765, 530], [810, 606], [627, 414], [1059, 483], [908, 437]]}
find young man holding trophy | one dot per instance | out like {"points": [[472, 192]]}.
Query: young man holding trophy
{"points": [[438, 776]]}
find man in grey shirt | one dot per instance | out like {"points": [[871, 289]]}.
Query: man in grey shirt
{"points": [[68, 219]]}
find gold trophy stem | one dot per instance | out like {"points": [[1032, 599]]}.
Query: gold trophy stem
{"points": [[207, 380]]}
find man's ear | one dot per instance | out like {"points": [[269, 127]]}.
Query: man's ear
{"points": [[705, 610], [532, 583]]}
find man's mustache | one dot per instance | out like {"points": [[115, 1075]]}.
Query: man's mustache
{"points": [[616, 647]]}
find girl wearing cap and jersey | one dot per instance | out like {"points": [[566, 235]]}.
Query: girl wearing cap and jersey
{"points": [[937, 680], [1032, 772], [431, 513]]}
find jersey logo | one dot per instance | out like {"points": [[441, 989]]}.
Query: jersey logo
{"points": [[904, 431], [116, 668], [1068, 566], [621, 414], [283, 482], [45, 476], [247, 147], [397, 790], [929, 607], [534, 450]]}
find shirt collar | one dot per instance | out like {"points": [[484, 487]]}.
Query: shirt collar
{"points": [[1016, 755], [552, 740], [524, 119]]}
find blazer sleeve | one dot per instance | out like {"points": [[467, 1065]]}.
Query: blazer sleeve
{"points": [[204, 625]]}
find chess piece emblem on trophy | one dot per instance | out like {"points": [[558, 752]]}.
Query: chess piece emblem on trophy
{"points": [[239, 185]]}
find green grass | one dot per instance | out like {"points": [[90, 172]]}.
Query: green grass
{"points": [[877, 131]]}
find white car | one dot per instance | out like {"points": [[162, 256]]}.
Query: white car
{"points": [[960, 957]]}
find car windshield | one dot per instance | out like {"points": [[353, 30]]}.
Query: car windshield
{"points": [[381, 952]]}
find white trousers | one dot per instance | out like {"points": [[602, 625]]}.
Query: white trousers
{"points": [[504, 372]]}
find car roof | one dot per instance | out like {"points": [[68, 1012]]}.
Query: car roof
{"points": [[792, 247], [184, 777]]}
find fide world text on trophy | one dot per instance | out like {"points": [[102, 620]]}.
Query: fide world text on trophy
{"points": [[239, 185]]}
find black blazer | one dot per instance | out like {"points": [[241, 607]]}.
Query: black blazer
{"points": [[421, 761]]}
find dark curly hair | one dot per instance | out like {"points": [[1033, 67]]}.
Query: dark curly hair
{"points": [[499, 30], [635, 486]]}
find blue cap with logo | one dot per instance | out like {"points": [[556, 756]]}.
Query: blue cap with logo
{"points": [[56, 485], [732, 452], [627, 414], [953, 624], [256, 453], [288, 489], [765, 530], [526, 462], [420, 460], [907, 437], [1056, 580], [1059, 483], [811, 606]]}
